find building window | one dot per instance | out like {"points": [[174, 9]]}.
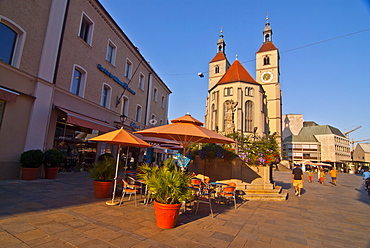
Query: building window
{"points": [[249, 91], [160, 122], [78, 82], [217, 69], [213, 118], [155, 94], [106, 96], [141, 81], [138, 113], [86, 29], [125, 106], [128, 69], [249, 116], [111, 53], [12, 39], [266, 60], [228, 91], [163, 102], [2, 107]]}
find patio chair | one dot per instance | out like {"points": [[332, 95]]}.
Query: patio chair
{"points": [[128, 189], [204, 196], [227, 194], [195, 185]]}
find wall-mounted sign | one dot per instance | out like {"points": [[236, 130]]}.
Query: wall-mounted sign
{"points": [[124, 85], [134, 126]]}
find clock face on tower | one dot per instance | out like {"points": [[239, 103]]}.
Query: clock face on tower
{"points": [[267, 76]]}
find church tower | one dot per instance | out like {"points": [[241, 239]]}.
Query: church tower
{"points": [[267, 74], [219, 64], [235, 102]]}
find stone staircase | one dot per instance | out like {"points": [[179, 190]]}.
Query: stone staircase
{"points": [[259, 191]]}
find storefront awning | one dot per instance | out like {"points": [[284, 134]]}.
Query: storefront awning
{"points": [[8, 95], [86, 121]]}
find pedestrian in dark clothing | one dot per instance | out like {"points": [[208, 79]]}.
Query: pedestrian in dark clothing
{"points": [[297, 179]]}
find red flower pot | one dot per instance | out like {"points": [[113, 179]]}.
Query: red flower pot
{"points": [[29, 173], [166, 214], [102, 189], [51, 172]]}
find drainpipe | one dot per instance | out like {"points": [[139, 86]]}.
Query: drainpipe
{"points": [[148, 98]]}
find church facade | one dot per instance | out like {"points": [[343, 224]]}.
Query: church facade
{"points": [[237, 102]]}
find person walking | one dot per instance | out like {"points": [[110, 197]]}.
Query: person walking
{"points": [[309, 174], [366, 175], [322, 176], [297, 179], [333, 173]]}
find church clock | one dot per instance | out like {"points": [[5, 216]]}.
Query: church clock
{"points": [[267, 76]]}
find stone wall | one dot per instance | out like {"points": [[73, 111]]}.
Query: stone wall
{"points": [[218, 169]]}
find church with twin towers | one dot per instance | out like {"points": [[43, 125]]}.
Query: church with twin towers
{"points": [[237, 102]]}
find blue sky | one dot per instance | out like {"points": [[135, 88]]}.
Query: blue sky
{"points": [[324, 50]]}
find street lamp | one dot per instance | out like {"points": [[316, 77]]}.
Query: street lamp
{"points": [[123, 118]]}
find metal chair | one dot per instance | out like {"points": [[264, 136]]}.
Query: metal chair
{"points": [[129, 189], [204, 196], [228, 193]]}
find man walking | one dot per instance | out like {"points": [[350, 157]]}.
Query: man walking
{"points": [[297, 179], [333, 174]]}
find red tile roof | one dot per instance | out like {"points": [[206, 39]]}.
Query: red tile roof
{"points": [[218, 57], [268, 46], [236, 73]]}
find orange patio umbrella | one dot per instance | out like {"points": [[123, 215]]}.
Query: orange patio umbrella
{"points": [[121, 138], [186, 130]]}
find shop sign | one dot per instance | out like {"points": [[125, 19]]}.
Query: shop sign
{"points": [[134, 126], [124, 85]]}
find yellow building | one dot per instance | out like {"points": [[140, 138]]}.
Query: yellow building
{"points": [[236, 101]]}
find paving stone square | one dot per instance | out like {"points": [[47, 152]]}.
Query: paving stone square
{"points": [[64, 213]]}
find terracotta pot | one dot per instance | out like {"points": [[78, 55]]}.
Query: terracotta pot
{"points": [[102, 189], [29, 173], [51, 172], [166, 214]]}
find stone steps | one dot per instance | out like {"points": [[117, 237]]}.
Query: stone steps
{"points": [[282, 196]]}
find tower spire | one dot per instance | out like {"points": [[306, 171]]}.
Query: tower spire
{"points": [[221, 43], [267, 31]]}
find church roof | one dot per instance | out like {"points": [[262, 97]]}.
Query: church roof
{"points": [[267, 46], [236, 73], [218, 57]]}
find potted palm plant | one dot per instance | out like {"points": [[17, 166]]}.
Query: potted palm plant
{"points": [[169, 186], [53, 160], [103, 174], [30, 161]]}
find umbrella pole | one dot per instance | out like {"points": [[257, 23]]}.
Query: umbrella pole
{"points": [[126, 161], [115, 179]]}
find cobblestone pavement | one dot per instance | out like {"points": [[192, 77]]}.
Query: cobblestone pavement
{"points": [[64, 213]]}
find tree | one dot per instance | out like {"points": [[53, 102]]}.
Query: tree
{"points": [[256, 150]]}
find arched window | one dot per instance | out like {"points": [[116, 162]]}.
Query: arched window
{"points": [[78, 81], [106, 96], [266, 60], [213, 118], [267, 38], [12, 40], [217, 69], [125, 105], [249, 116], [249, 91], [138, 113]]}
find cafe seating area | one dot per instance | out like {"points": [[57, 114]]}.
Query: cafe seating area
{"points": [[204, 192]]}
